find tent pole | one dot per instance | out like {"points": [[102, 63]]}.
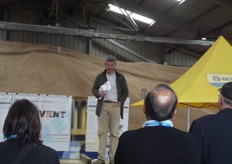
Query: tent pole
{"points": [[188, 117]]}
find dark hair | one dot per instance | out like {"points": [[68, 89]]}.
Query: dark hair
{"points": [[23, 120], [156, 109]]}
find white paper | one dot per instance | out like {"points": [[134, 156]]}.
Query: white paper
{"points": [[105, 87]]}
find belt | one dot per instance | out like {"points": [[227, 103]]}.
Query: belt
{"points": [[108, 101]]}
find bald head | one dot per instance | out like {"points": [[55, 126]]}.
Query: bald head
{"points": [[160, 103]]}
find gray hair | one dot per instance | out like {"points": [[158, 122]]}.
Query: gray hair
{"points": [[110, 58], [226, 100]]}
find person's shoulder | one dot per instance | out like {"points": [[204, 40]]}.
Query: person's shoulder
{"points": [[182, 132], [2, 145], [184, 136], [44, 149], [46, 155], [131, 133], [206, 118], [119, 73], [101, 73]]}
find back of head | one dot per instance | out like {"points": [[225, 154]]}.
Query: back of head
{"points": [[160, 103], [226, 93], [23, 120]]}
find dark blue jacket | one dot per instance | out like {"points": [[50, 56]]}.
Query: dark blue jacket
{"points": [[214, 137]]}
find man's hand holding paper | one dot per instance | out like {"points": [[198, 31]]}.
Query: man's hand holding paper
{"points": [[104, 89]]}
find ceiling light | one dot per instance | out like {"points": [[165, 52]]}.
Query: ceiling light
{"points": [[181, 1], [132, 15]]}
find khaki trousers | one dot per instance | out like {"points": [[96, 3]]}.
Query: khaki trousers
{"points": [[108, 120]]}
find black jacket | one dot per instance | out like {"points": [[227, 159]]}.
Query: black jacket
{"points": [[156, 145], [121, 88], [39, 154], [214, 137]]}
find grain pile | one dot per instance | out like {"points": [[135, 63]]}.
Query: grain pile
{"points": [[29, 68]]}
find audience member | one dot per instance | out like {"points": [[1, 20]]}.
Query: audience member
{"points": [[158, 142], [214, 132], [22, 132]]}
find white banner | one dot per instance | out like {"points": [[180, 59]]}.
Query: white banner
{"points": [[55, 114], [92, 124], [5, 103]]}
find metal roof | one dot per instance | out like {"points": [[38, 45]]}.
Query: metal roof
{"points": [[190, 20]]}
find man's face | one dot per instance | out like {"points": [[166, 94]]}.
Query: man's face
{"points": [[110, 66]]}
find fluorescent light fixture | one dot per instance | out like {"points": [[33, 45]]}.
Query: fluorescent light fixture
{"points": [[132, 15], [181, 1], [203, 39]]}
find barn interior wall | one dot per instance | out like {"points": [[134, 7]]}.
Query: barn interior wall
{"points": [[179, 59], [95, 46]]}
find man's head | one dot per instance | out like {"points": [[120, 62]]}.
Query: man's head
{"points": [[160, 103], [110, 64], [225, 97]]}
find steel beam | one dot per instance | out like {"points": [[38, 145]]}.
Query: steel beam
{"points": [[129, 50], [94, 34]]}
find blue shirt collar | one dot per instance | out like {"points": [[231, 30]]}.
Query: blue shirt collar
{"points": [[13, 136], [167, 123]]}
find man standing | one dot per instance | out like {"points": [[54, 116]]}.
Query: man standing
{"points": [[111, 89], [214, 132], [158, 141]]}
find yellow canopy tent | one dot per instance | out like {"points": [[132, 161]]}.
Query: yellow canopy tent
{"points": [[198, 87]]}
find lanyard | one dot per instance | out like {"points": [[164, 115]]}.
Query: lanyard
{"points": [[167, 123], [13, 136]]}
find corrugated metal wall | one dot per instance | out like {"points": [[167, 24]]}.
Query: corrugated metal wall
{"points": [[179, 59], [95, 46], [71, 42], [2, 35]]}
